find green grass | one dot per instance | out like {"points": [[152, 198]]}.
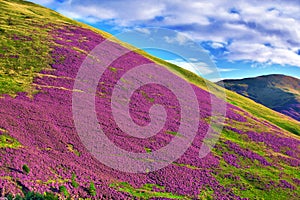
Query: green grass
{"points": [[174, 133], [26, 169], [52, 181], [145, 95], [145, 192], [92, 189], [71, 148], [113, 69], [244, 141], [8, 142], [73, 181], [263, 112], [185, 165], [252, 125], [20, 60], [256, 187], [206, 194], [63, 190], [148, 150]]}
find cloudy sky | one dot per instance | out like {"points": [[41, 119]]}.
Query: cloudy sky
{"points": [[244, 38]]}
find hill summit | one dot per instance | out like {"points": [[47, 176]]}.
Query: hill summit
{"points": [[278, 92]]}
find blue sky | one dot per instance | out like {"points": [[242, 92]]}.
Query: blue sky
{"points": [[245, 38]]}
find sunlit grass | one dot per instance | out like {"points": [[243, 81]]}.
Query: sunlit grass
{"points": [[25, 43], [9, 142], [256, 187], [145, 192]]}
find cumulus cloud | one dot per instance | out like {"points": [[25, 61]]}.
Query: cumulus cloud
{"points": [[199, 68], [263, 54], [217, 45], [254, 30], [143, 30], [226, 69], [180, 39]]}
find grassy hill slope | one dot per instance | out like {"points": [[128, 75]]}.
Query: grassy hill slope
{"points": [[247, 104], [257, 155]]}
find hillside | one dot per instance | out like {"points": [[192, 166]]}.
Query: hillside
{"points": [[278, 92], [257, 155]]}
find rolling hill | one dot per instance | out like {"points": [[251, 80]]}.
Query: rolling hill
{"points": [[278, 92], [41, 51]]}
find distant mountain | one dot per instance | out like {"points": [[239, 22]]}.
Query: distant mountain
{"points": [[278, 92]]}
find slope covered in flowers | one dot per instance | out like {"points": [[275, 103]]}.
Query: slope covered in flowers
{"points": [[253, 158]]}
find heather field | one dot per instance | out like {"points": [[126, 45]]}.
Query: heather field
{"points": [[256, 157]]}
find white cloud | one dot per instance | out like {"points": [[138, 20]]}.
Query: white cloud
{"points": [[263, 54], [226, 69], [216, 79], [243, 27], [143, 30], [199, 68], [217, 45], [88, 13], [193, 59], [180, 39]]}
